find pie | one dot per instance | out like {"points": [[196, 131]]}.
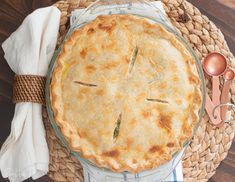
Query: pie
{"points": [[125, 93]]}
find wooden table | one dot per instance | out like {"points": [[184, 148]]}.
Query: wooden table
{"points": [[12, 13]]}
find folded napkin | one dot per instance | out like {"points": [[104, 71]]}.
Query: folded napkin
{"points": [[28, 51]]}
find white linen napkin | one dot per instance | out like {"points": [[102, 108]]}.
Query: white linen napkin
{"points": [[28, 51]]}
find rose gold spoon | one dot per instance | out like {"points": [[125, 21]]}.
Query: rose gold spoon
{"points": [[228, 77], [214, 65]]}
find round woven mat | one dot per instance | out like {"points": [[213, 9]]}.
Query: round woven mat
{"points": [[210, 145]]}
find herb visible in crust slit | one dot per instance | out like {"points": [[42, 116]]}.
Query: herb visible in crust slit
{"points": [[157, 100], [117, 128], [133, 58], [85, 84]]}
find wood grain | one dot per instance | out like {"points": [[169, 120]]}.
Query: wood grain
{"points": [[228, 3], [13, 12]]}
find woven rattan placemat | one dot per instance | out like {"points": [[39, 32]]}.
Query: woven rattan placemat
{"points": [[210, 145]]}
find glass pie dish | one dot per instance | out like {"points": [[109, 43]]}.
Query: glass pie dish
{"points": [[148, 11]]}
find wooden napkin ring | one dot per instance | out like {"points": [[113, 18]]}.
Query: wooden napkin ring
{"points": [[29, 88]]}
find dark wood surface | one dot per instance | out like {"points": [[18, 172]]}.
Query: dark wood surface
{"points": [[13, 12]]}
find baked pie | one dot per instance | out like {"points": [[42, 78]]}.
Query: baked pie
{"points": [[125, 93]]}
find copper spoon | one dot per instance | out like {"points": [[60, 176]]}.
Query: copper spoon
{"points": [[214, 65], [228, 77]]}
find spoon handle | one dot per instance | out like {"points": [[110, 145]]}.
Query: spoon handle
{"points": [[209, 109], [216, 91], [224, 98]]}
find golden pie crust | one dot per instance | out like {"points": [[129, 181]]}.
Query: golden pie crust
{"points": [[125, 93]]}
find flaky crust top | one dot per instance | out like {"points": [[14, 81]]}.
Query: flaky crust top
{"points": [[125, 93]]}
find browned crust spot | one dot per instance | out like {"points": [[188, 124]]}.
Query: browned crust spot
{"points": [[133, 122], [197, 98], [129, 141], [140, 97], [178, 101], [182, 139], [156, 148], [100, 92], [107, 27], [163, 85], [186, 128], [170, 145], [173, 66], [175, 78], [82, 92], [165, 121], [134, 161], [127, 59], [112, 153], [90, 31], [90, 69], [190, 96], [83, 53], [110, 65], [79, 133], [193, 79], [146, 114]]}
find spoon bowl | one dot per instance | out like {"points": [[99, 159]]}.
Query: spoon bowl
{"points": [[215, 64], [229, 75]]}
